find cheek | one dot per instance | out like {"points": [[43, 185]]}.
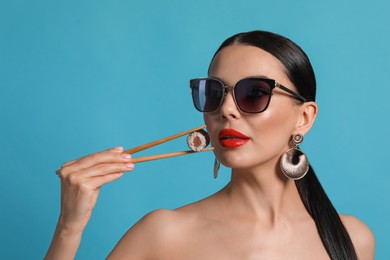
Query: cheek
{"points": [[272, 131], [211, 124]]}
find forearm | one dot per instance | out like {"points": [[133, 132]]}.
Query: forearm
{"points": [[65, 243], [81, 180]]}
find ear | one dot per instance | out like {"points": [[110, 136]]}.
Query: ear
{"points": [[307, 115]]}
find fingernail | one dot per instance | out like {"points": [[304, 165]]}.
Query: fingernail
{"points": [[126, 156], [130, 165], [118, 148]]}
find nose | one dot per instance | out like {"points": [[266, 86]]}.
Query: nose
{"points": [[228, 109]]}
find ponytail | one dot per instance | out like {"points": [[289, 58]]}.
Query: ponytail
{"points": [[298, 68], [333, 234]]}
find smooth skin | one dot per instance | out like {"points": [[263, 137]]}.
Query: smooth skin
{"points": [[81, 181], [257, 215]]}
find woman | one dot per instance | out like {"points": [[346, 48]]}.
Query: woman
{"points": [[273, 207]]}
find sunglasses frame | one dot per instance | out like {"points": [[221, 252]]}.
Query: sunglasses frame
{"points": [[272, 84]]}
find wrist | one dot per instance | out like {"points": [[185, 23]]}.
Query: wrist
{"points": [[69, 231], [70, 227]]}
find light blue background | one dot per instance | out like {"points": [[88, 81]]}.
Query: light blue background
{"points": [[81, 76]]}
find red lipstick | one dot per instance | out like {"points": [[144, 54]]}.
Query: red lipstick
{"points": [[231, 138]]}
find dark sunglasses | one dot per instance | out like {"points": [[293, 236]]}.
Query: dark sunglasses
{"points": [[251, 95]]}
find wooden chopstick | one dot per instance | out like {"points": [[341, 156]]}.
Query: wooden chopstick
{"points": [[166, 155], [160, 141], [163, 140]]}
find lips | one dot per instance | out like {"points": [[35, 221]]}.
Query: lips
{"points": [[231, 138]]}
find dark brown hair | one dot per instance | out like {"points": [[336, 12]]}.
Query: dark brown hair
{"points": [[334, 236]]}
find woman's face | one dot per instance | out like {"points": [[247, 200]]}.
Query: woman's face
{"points": [[269, 132]]}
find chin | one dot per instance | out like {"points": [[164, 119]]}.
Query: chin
{"points": [[236, 162]]}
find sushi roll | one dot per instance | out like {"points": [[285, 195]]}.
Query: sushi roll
{"points": [[198, 140]]}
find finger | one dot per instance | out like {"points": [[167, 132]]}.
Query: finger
{"points": [[115, 149], [108, 156], [104, 169], [69, 163]]}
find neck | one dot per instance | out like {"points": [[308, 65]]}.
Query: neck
{"points": [[263, 193]]}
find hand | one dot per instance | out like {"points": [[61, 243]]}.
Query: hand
{"points": [[81, 180]]}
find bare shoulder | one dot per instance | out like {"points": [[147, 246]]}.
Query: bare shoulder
{"points": [[163, 232], [153, 235], [362, 237]]}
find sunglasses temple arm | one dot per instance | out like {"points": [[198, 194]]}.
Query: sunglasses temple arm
{"points": [[291, 92]]}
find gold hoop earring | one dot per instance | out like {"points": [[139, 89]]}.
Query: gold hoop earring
{"points": [[294, 163]]}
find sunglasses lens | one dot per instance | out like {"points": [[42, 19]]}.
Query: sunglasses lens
{"points": [[206, 94], [252, 95]]}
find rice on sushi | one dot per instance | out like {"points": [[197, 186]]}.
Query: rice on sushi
{"points": [[198, 140]]}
